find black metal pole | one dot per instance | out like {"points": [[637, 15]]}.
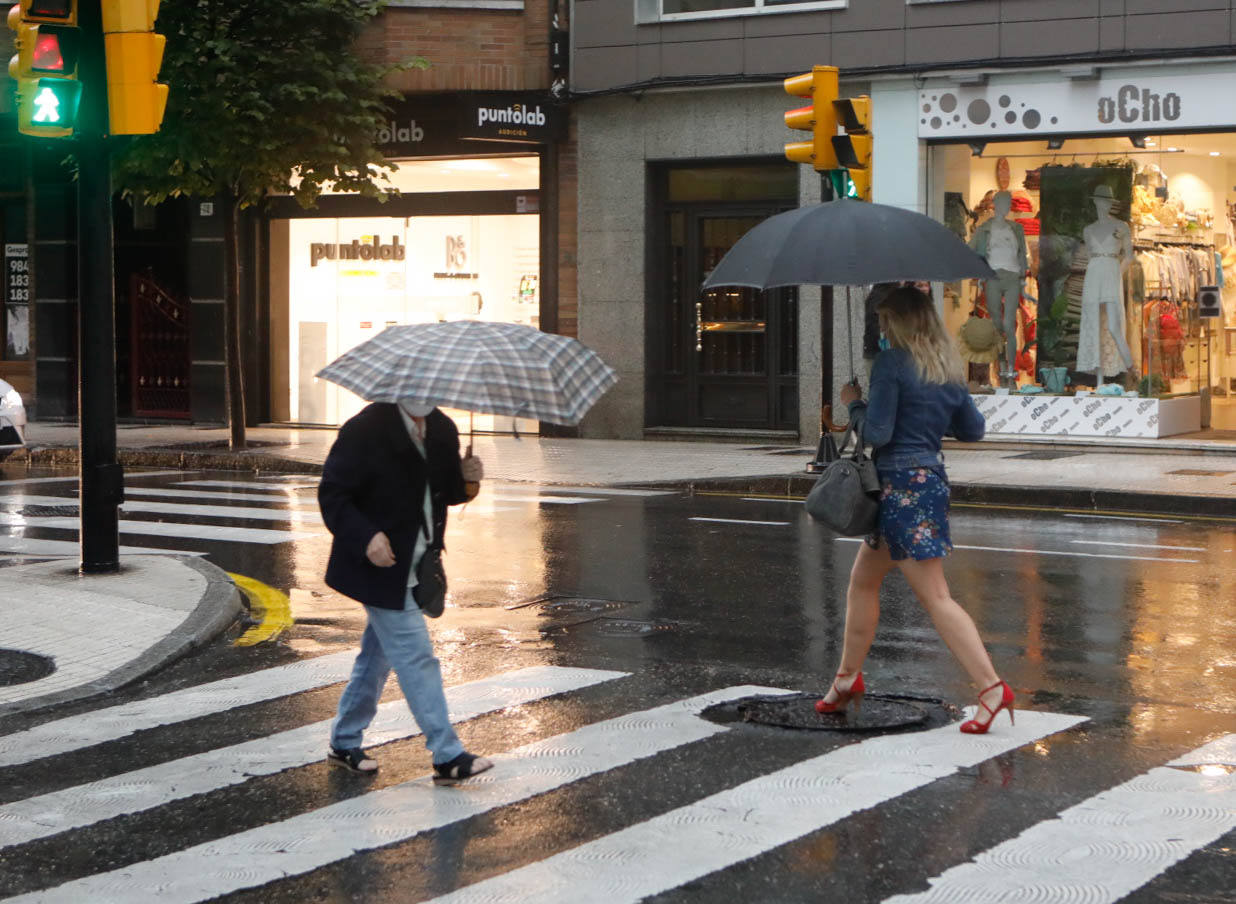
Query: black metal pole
{"points": [[826, 186], [101, 479]]}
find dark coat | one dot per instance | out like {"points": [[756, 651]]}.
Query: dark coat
{"points": [[374, 480]]}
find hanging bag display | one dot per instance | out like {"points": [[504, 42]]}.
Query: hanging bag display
{"points": [[846, 498]]}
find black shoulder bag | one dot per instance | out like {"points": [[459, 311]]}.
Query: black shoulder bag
{"points": [[430, 590], [846, 497]]}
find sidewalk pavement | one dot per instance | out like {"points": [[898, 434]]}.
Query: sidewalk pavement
{"points": [[166, 605], [86, 635], [1183, 477]]}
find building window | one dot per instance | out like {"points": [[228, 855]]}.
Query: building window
{"points": [[672, 10], [459, 4]]}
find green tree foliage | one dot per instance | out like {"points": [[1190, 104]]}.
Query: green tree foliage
{"points": [[265, 96]]}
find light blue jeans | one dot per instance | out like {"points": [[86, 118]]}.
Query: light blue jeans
{"points": [[398, 639]]}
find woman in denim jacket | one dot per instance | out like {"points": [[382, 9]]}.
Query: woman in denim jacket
{"points": [[918, 396]]}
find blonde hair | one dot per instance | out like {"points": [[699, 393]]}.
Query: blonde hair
{"points": [[909, 321]]}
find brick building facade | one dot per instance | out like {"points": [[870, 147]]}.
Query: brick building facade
{"points": [[487, 215]]}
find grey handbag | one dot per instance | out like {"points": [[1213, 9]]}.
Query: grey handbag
{"points": [[846, 497]]}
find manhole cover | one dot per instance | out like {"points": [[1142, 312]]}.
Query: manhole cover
{"points": [[630, 627], [1200, 472], [20, 667], [879, 713], [572, 606], [1044, 455], [609, 626]]}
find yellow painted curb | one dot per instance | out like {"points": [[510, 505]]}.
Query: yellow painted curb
{"points": [[271, 605]]}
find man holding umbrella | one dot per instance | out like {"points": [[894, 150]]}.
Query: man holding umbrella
{"points": [[392, 473], [386, 485]]}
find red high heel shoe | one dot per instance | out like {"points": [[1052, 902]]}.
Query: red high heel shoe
{"points": [[853, 695], [974, 726]]}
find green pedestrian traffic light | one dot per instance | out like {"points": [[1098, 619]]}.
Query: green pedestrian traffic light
{"points": [[51, 104], [45, 66]]}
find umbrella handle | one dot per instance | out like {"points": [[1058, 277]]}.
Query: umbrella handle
{"points": [[826, 418]]}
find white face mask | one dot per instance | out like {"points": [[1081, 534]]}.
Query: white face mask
{"points": [[416, 409]]}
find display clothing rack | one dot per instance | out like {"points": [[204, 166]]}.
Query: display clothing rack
{"points": [[1165, 304]]}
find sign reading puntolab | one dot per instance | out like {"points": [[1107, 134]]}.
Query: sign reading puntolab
{"points": [[1123, 101]]}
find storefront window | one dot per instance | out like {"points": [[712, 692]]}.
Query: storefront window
{"points": [[1113, 254], [336, 282], [467, 174]]}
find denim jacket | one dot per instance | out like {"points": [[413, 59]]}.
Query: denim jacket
{"points": [[906, 418]]}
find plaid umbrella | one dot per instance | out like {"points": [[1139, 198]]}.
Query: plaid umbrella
{"points": [[492, 368]]}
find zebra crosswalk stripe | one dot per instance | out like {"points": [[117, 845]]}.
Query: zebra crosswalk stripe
{"points": [[221, 496], [102, 725], [752, 818], [1106, 847], [251, 513], [507, 496], [33, 546], [320, 837], [189, 531], [144, 789], [244, 484]]}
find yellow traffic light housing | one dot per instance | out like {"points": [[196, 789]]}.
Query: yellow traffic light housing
{"points": [[45, 66], [819, 118], [854, 148], [135, 101]]}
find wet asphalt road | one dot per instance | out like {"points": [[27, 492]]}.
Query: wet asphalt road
{"points": [[1129, 623]]}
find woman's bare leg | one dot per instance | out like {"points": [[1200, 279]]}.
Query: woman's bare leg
{"points": [[954, 624], [862, 610]]}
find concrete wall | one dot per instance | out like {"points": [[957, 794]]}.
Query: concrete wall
{"points": [[611, 51], [618, 138]]}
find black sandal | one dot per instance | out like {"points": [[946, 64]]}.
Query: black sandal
{"points": [[464, 766], [353, 759]]}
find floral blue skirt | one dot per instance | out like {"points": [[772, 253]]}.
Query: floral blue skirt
{"points": [[913, 514]]}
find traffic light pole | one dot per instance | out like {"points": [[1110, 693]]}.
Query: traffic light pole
{"points": [[102, 481], [826, 186]]}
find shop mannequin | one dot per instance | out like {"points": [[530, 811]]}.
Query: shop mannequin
{"points": [[1002, 243], [1102, 348]]}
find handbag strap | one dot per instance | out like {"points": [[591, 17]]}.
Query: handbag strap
{"points": [[854, 430]]}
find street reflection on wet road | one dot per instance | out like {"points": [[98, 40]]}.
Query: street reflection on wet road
{"points": [[1071, 605], [1122, 624]]}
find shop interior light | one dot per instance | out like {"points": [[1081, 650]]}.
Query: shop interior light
{"points": [[1055, 144], [1173, 150], [1216, 153], [977, 147], [1138, 141]]}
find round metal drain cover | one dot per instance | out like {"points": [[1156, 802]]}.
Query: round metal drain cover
{"points": [[630, 627], [879, 713], [20, 667], [574, 606]]}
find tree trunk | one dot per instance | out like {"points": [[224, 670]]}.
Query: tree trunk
{"points": [[232, 357]]}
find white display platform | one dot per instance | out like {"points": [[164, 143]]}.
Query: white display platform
{"points": [[1044, 415]]}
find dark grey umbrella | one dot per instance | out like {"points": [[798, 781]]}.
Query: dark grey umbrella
{"points": [[846, 243]]}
